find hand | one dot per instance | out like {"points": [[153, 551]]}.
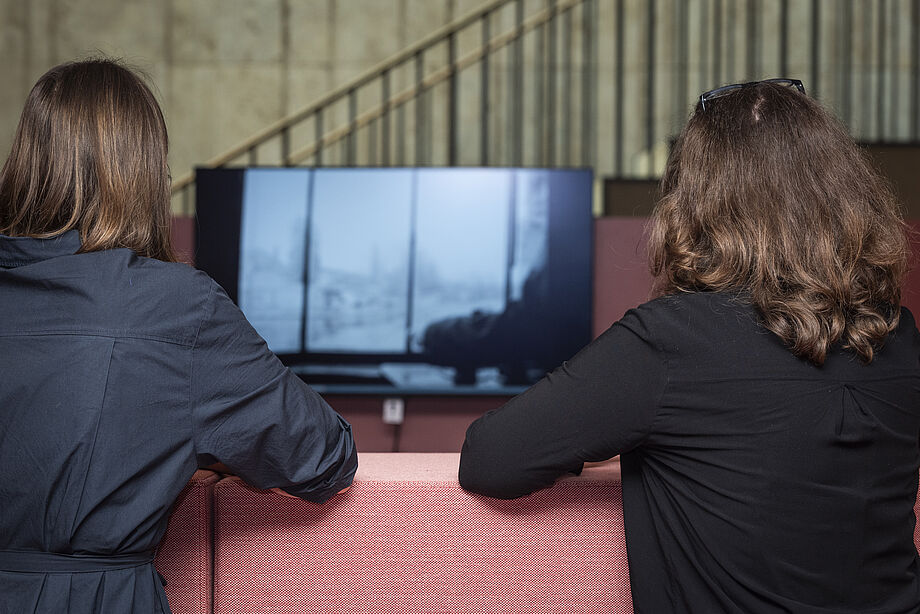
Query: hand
{"points": [[287, 494]]}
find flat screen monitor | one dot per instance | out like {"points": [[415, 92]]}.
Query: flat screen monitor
{"points": [[405, 280]]}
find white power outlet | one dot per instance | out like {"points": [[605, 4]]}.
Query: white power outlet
{"points": [[394, 410]]}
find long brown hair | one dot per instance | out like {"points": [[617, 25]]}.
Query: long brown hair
{"points": [[90, 154], [765, 195]]}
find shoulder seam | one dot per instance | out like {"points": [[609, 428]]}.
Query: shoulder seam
{"points": [[97, 333]]}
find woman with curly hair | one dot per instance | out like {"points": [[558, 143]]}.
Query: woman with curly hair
{"points": [[766, 406]]}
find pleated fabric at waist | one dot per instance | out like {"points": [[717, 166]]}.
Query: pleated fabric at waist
{"points": [[32, 561]]}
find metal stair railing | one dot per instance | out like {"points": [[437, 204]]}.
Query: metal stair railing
{"points": [[378, 118], [599, 83]]}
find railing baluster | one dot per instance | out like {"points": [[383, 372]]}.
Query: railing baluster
{"points": [[539, 88], [865, 84], [618, 90], [588, 72], [517, 96], [731, 25], [682, 49], [285, 146], [880, 72], [565, 138], [706, 46], [484, 93], [784, 38], [894, 78], [550, 157], [372, 143], [419, 109], [752, 40], [506, 88], [915, 70], [717, 42], [352, 148], [187, 199], [846, 82], [385, 119], [402, 134], [318, 137], [816, 51], [650, 92], [453, 119]]}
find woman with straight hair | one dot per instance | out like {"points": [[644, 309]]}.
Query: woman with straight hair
{"points": [[122, 370], [766, 406]]}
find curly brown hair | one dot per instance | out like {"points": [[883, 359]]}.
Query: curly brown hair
{"points": [[766, 195]]}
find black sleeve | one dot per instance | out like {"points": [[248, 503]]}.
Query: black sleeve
{"points": [[595, 406], [259, 419]]}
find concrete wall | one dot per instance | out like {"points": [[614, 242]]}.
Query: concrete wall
{"points": [[224, 69]]}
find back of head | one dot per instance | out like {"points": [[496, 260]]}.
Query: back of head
{"points": [[90, 154], [767, 196]]}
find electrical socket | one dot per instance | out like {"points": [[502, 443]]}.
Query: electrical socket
{"points": [[394, 410]]}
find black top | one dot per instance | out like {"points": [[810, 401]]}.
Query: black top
{"points": [[753, 481], [119, 377]]}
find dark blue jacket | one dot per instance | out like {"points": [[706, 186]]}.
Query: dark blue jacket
{"points": [[119, 377]]}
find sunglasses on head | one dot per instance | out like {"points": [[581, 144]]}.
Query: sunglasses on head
{"points": [[725, 89]]}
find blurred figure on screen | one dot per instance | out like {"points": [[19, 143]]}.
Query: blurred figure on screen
{"points": [[503, 339]]}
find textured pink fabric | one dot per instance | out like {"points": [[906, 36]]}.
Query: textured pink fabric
{"points": [[621, 276], [184, 556], [917, 524], [411, 540]]}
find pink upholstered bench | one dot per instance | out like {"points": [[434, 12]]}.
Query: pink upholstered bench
{"points": [[184, 558], [407, 538], [404, 538]]}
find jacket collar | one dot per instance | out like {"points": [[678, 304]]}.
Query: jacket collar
{"points": [[20, 251]]}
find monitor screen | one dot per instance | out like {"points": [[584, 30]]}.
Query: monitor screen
{"points": [[405, 280]]}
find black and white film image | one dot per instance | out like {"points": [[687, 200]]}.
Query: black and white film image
{"points": [[273, 234], [442, 268]]}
